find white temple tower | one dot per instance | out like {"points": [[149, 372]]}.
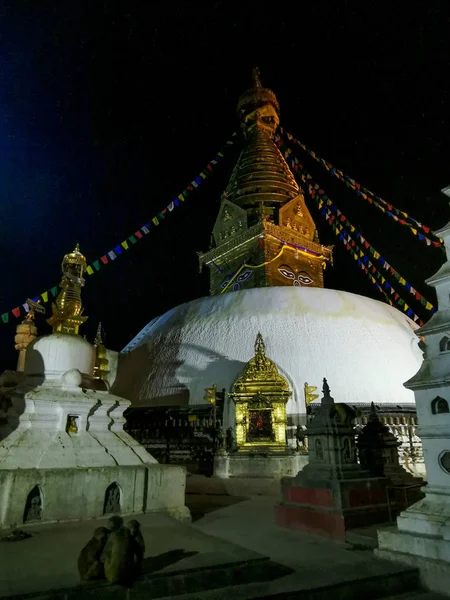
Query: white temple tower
{"points": [[422, 536]]}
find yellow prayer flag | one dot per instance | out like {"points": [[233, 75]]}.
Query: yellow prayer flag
{"points": [[428, 306], [402, 281], [406, 307], [89, 270], [219, 154], [181, 197], [202, 175], [155, 221], [45, 296], [125, 245], [352, 229], [414, 230], [376, 254]]}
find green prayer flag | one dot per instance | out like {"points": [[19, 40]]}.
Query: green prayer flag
{"points": [[132, 239], [96, 265], [5, 317]]}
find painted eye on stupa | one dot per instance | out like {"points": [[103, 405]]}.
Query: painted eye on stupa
{"points": [[236, 287], [244, 276], [286, 272], [304, 279], [225, 281]]}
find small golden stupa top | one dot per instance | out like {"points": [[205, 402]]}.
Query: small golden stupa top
{"points": [[101, 367], [260, 374], [258, 99], [67, 309]]}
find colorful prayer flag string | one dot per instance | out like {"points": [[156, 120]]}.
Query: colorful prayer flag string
{"points": [[132, 239], [337, 222], [398, 215]]}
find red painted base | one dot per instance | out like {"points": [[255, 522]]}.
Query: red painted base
{"points": [[334, 509]]}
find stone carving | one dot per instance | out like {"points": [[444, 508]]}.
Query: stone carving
{"points": [[318, 449], [112, 499], [33, 506]]}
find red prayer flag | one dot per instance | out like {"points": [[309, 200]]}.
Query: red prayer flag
{"points": [[138, 234], [104, 259], [16, 312]]}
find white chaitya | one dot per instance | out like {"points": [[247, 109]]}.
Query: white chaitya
{"points": [[63, 452], [367, 348], [422, 536]]}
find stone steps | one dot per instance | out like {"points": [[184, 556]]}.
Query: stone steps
{"points": [[172, 584], [259, 579]]}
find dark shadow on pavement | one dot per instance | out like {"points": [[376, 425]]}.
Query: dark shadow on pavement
{"points": [[202, 504], [152, 564]]}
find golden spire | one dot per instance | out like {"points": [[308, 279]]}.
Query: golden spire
{"points": [[101, 367], [67, 310]]}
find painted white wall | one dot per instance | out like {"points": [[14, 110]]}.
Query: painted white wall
{"points": [[365, 348]]}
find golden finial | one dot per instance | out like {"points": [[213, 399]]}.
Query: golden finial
{"points": [[98, 336], [260, 347], [77, 247], [257, 77]]}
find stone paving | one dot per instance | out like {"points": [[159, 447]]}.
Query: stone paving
{"points": [[227, 529]]}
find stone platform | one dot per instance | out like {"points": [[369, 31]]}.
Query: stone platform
{"points": [[259, 465], [235, 549]]}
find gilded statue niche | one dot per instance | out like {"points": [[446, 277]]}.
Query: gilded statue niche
{"points": [[231, 220], [260, 395], [295, 215]]}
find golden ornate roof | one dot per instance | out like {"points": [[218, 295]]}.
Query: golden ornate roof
{"points": [[261, 174], [260, 375]]}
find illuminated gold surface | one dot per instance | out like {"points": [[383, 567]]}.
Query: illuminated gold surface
{"points": [[101, 367], [210, 394], [261, 387], [67, 310], [263, 194]]}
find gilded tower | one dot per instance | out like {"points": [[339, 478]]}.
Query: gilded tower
{"points": [[264, 235], [68, 309]]}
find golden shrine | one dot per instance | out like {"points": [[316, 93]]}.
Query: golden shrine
{"points": [[67, 310], [264, 234], [260, 395]]}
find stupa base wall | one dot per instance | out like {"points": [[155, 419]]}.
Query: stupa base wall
{"points": [[253, 465], [398, 546], [81, 493], [332, 508]]}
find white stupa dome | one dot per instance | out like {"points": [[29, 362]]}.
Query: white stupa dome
{"points": [[53, 355], [365, 348]]}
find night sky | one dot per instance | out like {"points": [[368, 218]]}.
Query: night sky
{"points": [[109, 110]]}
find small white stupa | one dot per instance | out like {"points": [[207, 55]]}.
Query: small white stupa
{"points": [[63, 451], [422, 536]]}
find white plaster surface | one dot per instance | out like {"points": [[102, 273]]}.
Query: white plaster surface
{"points": [[257, 466], [80, 493], [365, 348], [57, 353], [73, 469]]}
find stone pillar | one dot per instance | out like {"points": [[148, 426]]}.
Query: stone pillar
{"points": [[332, 493]]}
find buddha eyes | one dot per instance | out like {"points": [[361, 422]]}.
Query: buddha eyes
{"points": [[244, 276], [286, 272], [304, 279], [301, 279]]}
